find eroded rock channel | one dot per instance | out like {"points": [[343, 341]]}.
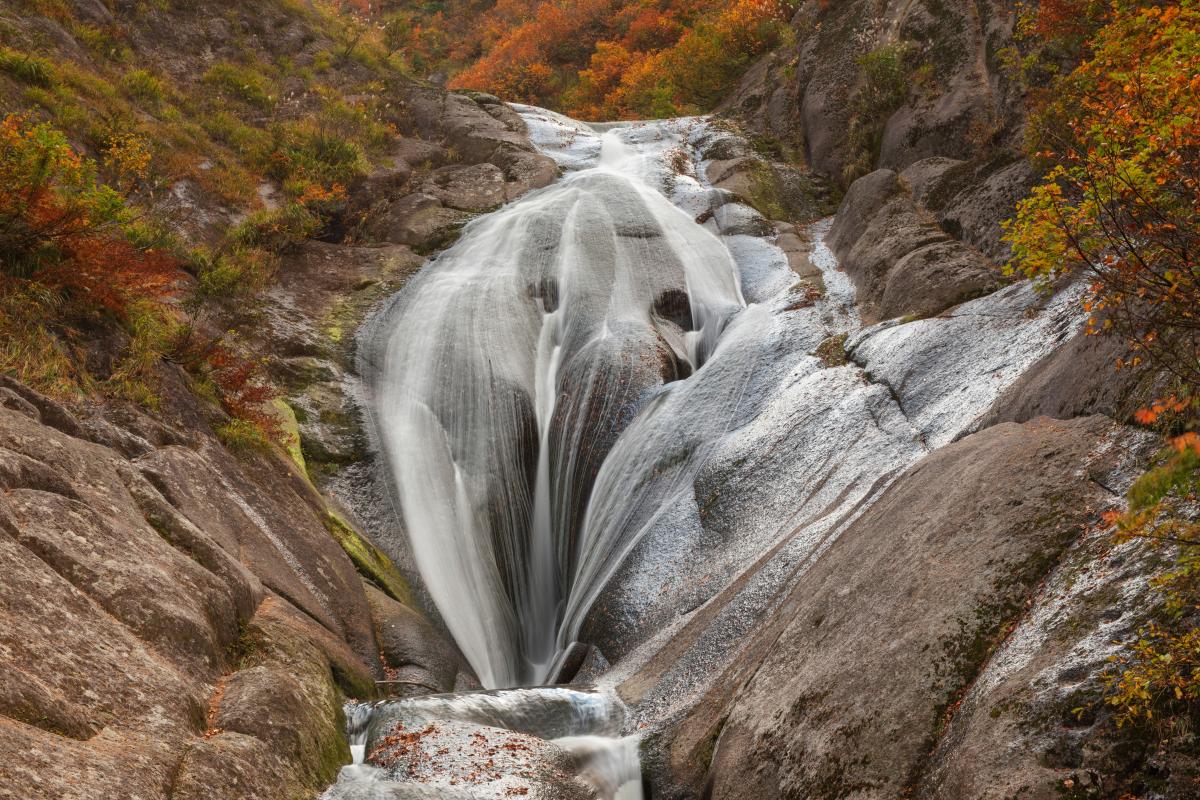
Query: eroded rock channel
{"points": [[641, 442]]}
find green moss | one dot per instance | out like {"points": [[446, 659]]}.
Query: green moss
{"points": [[708, 747], [290, 429], [370, 561], [1177, 472], [766, 194], [832, 351]]}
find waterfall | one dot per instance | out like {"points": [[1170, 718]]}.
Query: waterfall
{"points": [[605, 408], [513, 363]]}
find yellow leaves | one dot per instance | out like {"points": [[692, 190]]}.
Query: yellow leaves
{"points": [[128, 157]]}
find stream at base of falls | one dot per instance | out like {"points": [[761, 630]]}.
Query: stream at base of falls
{"points": [[602, 410], [550, 742]]}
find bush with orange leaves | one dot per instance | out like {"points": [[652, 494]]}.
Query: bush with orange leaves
{"points": [[1119, 136], [65, 237], [72, 253]]}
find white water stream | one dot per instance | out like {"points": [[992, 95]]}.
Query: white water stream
{"points": [[513, 363], [601, 408]]}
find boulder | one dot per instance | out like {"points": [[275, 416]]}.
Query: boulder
{"points": [[420, 153], [478, 133], [863, 200], [383, 184], [935, 277], [524, 170], [924, 176], [290, 550], [487, 761], [971, 198], [804, 93], [478, 187], [856, 679], [901, 261], [418, 658], [736, 175], [418, 220]]}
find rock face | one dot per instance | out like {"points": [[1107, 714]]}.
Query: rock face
{"points": [[852, 689], [804, 94], [955, 126], [484, 159], [901, 261], [775, 188], [1076, 379], [172, 616]]}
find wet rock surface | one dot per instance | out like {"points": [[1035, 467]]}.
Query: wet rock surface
{"points": [[486, 762], [911, 601], [1077, 379], [139, 591], [417, 658], [901, 261]]}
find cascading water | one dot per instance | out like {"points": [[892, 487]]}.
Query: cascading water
{"points": [[512, 365], [603, 410]]}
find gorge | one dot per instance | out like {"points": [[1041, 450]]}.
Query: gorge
{"points": [[364, 439], [563, 395]]}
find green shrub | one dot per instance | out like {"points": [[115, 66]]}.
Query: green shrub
{"points": [[100, 42], [1177, 473], [252, 143], [142, 85], [242, 83], [238, 272], [27, 68], [883, 89], [315, 152], [243, 436], [278, 230]]}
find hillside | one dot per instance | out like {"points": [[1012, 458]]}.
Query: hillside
{"points": [[594, 60]]}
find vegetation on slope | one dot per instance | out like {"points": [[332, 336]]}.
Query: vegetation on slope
{"points": [[113, 146], [1119, 136], [592, 59]]}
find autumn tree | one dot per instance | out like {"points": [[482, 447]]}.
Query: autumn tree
{"points": [[397, 29], [1119, 138], [1121, 197]]}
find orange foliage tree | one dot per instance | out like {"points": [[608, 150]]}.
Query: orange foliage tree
{"points": [[1121, 199], [600, 58], [65, 238], [1119, 135]]}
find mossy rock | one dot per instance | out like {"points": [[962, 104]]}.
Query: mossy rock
{"points": [[290, 428], [370, 561]]}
